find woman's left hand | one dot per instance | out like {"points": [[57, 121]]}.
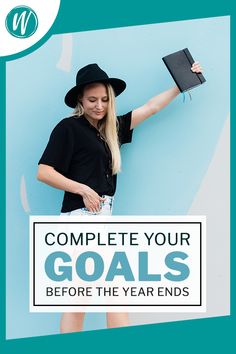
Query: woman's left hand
{"points": [[196, 67]]}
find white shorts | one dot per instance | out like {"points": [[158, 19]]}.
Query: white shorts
{"points": [[106, 208]]}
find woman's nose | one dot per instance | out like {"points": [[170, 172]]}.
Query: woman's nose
{"points": [[99, 104]]}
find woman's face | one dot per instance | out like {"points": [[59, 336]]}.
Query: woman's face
{"points": [[95, 101]]}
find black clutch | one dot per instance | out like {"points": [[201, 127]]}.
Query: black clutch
{"points": [[179, 65]]}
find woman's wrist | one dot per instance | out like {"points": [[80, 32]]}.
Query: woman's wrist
{"points": [[80, 189], [176, 90]]}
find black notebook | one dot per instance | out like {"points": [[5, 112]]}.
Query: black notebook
{"points": [[179, 65]]}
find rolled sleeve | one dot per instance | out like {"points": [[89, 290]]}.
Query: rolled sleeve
{"points": [[124, 132], [59, 150]]}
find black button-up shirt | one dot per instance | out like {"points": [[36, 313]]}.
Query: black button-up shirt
{"points": [[76, 150]]}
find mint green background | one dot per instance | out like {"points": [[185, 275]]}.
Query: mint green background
{"points": [[207, 335]]}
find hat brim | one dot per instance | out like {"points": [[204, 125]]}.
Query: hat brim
{"points": [[71, 98]]}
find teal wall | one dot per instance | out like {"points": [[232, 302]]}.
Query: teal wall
{"points": [[162, 168]]}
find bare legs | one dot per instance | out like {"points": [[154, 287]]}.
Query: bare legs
{"points": [[73, 321], [117, 319]]}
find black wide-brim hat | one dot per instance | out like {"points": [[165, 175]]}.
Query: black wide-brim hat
{"points": [[90, 74]]}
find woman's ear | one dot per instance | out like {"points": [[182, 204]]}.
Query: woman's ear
{"points": [[80, 100], [80, 96]]}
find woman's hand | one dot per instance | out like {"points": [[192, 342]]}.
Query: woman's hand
{"points": [[91, 199], [196, 67]]}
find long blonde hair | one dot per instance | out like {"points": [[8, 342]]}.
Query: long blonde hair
{"points": [[107, 127]]}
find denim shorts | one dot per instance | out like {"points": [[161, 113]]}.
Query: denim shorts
{"points": [[106, 208]]}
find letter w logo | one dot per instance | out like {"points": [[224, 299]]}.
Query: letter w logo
{"points": [[21, 20]]}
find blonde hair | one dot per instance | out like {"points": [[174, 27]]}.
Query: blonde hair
{"points": [[107, 127]]}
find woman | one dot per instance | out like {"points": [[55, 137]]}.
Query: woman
{"points": [[83, 153]]}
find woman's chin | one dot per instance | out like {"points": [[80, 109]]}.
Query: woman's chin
{"points": [[98, 116]]}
